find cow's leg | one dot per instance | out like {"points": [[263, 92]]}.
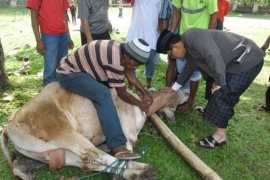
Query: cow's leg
{"points": [[96, 160], [79, 152]]}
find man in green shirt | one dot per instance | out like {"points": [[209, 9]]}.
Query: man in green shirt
{"points": [[192, 14]]}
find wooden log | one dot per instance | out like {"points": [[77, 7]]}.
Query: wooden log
{"points": [[194, 161]]}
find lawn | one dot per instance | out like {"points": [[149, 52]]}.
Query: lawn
{"points": [[246, 156]]}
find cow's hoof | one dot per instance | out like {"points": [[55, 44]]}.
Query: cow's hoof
{"points": [[149, 174], [171, 120]]}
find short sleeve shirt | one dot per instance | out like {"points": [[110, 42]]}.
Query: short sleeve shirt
{"points": [[195, 13], [96, 12], [101, 59], [51, 15]]}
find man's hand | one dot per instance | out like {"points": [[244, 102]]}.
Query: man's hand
{"points": [[148, 99], [186, 106], [144, 106], [40, 48], [167, 89], [215, 87], [70, 44]]}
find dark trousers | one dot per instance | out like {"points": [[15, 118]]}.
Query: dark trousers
{"points": [[100, 95], [220, 106], [267, 97], [105, 35], [219, 25]]}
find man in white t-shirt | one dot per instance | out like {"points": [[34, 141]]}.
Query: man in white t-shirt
{"points": [[144, 25]]}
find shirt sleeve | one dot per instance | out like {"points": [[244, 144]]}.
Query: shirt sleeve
{"points": [[212, 6], [227, 9], [84, 8], [33, 4], [185, 74], [210, 53], [176, 3], [115, 75], [66, 4]]}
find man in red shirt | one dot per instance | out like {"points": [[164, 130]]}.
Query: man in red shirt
{"points": [[223, 10], [51, 33]]}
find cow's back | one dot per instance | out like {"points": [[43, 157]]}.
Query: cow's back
{"points": [[55, 110]]}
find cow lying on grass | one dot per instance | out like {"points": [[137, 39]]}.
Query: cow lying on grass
{"points": [[62, 129]]}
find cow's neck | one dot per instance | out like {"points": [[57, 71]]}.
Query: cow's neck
{"points": [[162, 99]]}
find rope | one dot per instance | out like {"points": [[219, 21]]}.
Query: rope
{"points": [[141, 150], [113, 169], [116, 165]]}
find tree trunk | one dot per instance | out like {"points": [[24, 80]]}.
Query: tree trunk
{"points": [[3, 76]]}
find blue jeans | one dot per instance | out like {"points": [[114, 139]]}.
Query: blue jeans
{"points": [[56, 47], [151, 64], [100, 95], [196, 75]]}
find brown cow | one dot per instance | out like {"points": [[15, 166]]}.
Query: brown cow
{"points": [[61, 128]]}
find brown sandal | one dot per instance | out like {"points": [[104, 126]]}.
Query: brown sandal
{"points": [[121, 152], [127, 155]]}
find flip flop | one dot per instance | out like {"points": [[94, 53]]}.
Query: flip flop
{"points": [[210, 142], [127, 155]]}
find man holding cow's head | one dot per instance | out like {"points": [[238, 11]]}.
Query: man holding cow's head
{"points": [[98, 66]]}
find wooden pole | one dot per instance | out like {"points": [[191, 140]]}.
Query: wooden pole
{"points": [[204, 171]]}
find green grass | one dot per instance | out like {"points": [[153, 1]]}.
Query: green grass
{"points": [[246, 156]]}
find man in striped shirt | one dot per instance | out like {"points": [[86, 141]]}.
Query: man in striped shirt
{"points": [[98, 66]]}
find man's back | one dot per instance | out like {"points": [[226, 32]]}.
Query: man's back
{"points": [[195, 13]]}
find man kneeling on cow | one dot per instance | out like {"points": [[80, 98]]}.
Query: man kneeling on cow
{"points": [[99, 65]]}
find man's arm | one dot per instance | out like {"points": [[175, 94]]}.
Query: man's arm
{"points": [[70, 42], [266, 44], [86, 30], [147, 98], [213, 21], [129, 98], [175, 19], [35, 26]]}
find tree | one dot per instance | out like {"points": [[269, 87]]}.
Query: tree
{"points": [[3, 75]]}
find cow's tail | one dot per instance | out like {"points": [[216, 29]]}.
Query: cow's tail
{"points": [[4, 145]]}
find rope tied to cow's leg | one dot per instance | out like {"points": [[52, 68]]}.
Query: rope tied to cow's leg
{"points": [[112, 168], [118, 165]]}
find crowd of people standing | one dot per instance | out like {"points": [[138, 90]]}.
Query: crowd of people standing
{"points": [[176, 28]]}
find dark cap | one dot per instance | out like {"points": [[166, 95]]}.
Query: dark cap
{"points": [[165, 40]]}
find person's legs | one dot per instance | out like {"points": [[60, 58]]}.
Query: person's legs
{"points": [[180, 64], [63, 47], [150, 68], [83, 38], [190, 87], [219, 25], [84, 85], [267, 98], [51, 43], [73, 14], [220, 107]]}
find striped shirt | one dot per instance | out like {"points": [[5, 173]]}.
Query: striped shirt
{"points": [[101, 59]]}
